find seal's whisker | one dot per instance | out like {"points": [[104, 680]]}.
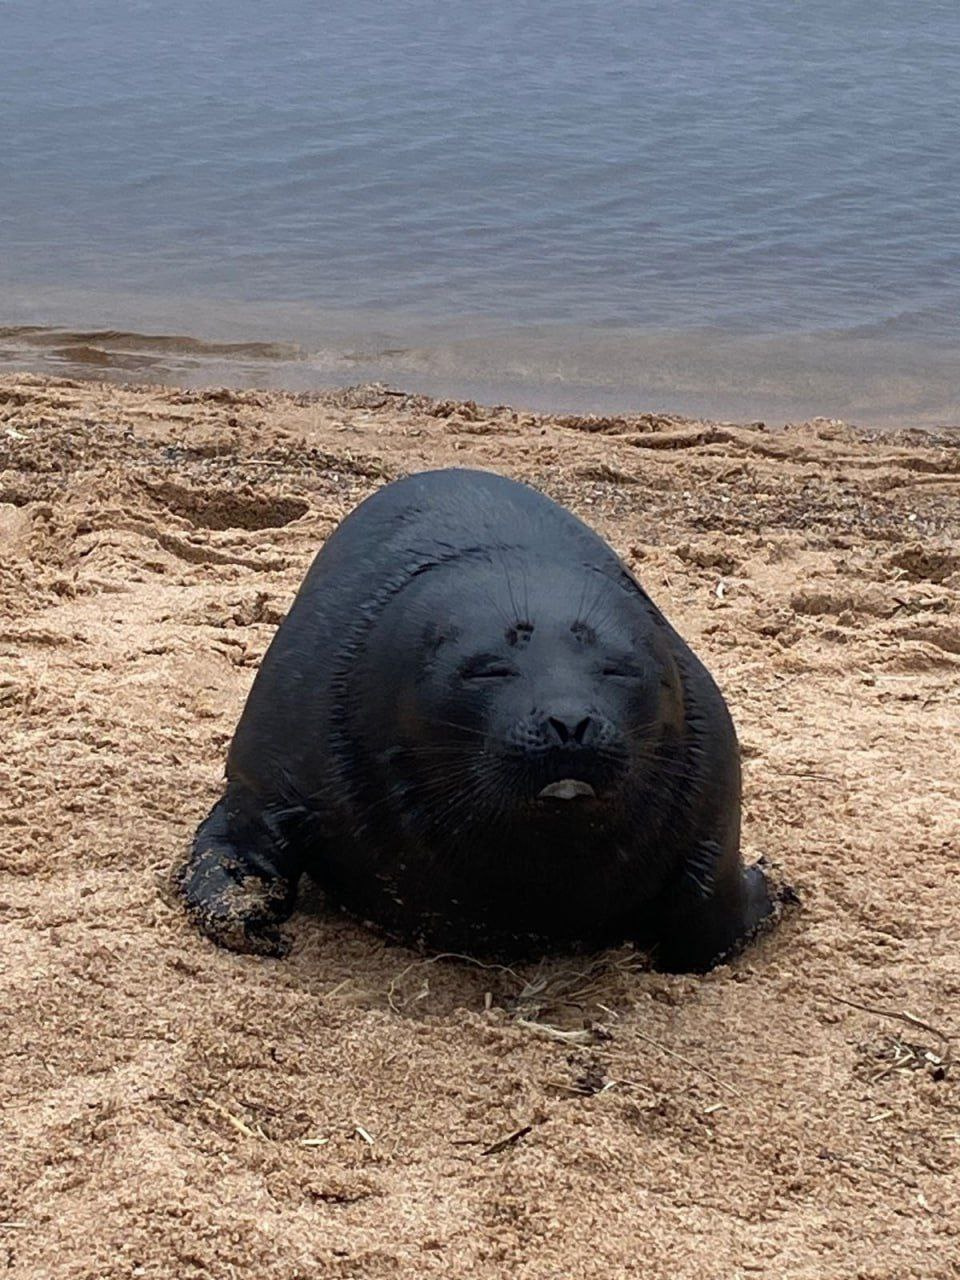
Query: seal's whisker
{"points": [[446, 751], [482, 783], [501, 613], [446, 782], [641, 733], [509, 585], [433, 784], [442, 770], [526, 592], [600, 600], [441, 781], [578, 617], [475, 773], [461, 728], [676, 770]]}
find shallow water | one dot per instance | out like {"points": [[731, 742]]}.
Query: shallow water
{"points": [[743, 209]]}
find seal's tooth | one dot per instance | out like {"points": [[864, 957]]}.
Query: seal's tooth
{"points": [[566, 789]]}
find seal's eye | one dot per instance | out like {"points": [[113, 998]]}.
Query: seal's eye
{"points": [[487, 666], [623, 669]]}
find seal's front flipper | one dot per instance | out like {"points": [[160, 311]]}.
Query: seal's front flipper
{"points": [[758, 899], [720, 907], [240, 880]]}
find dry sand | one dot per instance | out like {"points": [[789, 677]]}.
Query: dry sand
{"points": [[171, 1110]]}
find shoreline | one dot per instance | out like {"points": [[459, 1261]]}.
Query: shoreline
{"points": [[873, 380], [344, 1110]]}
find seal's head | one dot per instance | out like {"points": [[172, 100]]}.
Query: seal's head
{"points": [[537, 697]]}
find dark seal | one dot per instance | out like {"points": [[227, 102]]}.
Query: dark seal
{"points": [[475, 730]]}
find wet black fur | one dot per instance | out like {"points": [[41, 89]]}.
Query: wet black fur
{"points": [[399, 765]]}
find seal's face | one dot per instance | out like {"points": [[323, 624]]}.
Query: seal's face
{"points": [[537, 699]]}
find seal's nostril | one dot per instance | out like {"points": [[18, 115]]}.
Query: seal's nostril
{"points": [[560, 728], [569, 730], [582, 729]]}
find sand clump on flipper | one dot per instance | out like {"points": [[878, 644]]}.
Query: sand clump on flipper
{"points": [[342, 1113]]}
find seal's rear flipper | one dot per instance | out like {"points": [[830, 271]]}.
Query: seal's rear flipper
{"points": [[238, 882]]}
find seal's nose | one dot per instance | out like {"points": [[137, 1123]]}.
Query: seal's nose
{"points": [[566, 730]]}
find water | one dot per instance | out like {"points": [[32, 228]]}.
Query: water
{"points": [[748, 207]]}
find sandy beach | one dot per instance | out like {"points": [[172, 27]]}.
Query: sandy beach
{"points": [[168, 1109]]}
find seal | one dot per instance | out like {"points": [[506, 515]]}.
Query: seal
{"points": [[476, 731]]}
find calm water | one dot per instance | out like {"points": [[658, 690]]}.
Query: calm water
{"points": [[747, 206]]}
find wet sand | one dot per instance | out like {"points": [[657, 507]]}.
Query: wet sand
{"points": [[556, 369], [169, 1109]]}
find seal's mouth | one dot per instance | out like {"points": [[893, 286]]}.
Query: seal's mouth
{"points": [[567, 789]]}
